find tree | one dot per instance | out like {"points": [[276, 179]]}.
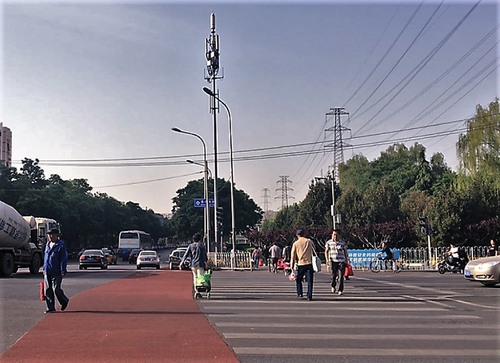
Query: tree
{"points": [[479, 148], [315, 209], [188, 219], [287, 217], [8, 192], [33, 173]]}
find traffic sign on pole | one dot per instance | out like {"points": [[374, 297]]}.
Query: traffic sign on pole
{"points": [[200, 202]]}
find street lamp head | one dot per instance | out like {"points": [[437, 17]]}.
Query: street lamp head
{"points": [[176, 129], [190, 161], [208, 91]]}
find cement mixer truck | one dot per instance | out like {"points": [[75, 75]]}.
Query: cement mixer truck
{"points": [[22, 240]]}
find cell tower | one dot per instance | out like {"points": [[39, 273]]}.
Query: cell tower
{"points": [[211, 75], [284, 190]]}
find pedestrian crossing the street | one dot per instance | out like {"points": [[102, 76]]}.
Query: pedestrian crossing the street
{"points": [[261, 319]]}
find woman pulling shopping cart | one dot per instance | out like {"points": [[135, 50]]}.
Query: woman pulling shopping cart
{"points": [[199, 264]]}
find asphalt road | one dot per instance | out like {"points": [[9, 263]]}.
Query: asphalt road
{"points": [[385, 317], [407, 317], [20, 302]]}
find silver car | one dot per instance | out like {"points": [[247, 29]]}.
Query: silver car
{"points": [[484, 270], [148, 259]]}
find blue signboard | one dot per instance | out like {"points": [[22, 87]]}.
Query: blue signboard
{"points": [[362, 258], [200, 202]]}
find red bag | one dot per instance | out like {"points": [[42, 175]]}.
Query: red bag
{"points": [[42, 290], [349, 271]]}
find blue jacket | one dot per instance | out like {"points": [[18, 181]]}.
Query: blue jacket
{"points": [[55, 259], [198, 254]]}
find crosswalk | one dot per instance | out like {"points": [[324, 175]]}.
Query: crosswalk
{"points": [[262, 320]]}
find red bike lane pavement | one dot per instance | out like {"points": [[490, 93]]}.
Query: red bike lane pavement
{"points": [[148, 316]]}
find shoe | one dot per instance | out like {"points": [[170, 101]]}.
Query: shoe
{"points": [[49, 311], [333, 290], [340, 293], [300, 296], [64, 306], [309, 299]]}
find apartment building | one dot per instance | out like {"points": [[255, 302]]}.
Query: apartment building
{"points": [[5, 145]]}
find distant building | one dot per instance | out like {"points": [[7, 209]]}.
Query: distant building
{"points": [[5, 145]]}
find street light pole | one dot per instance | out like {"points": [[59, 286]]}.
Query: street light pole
{"points": [[205, 182], [194, 162], [231, 165]]}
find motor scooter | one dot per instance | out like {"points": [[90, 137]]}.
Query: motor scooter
{"points": [[446, 264]]}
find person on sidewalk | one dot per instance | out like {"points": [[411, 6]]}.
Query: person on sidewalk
{"points": [[199, 259], [256, 257], [336, 255], [275, 252], [492, 249], [54, 268], [302, 254]]}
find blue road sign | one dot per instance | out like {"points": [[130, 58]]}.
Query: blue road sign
{"points": [[200, 202]]}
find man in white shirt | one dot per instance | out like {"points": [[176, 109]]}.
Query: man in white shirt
{"points": [[336, 256]]}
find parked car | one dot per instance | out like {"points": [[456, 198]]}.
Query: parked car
{"points": [[110, 256], [92, 258], [175, 259], [132, 258], [148, 258], [484, 270]]}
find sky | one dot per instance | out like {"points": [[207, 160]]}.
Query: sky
{"points": [[93, 89]]}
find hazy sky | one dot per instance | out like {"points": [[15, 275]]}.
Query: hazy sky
{"points": [[93, 89]]}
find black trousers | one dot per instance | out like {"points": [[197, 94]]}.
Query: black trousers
{"points": [[337, 269]]}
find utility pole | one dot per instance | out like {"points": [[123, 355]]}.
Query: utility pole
{"points": [[338, 152], [211, 75], [284, 190]]}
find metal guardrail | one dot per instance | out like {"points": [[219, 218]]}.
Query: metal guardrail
{"points": [[230, 261], [411, 258]]}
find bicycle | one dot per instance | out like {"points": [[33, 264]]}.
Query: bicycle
{"points": [[378, 264]]}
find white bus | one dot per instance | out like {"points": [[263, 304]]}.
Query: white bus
{"points": [[129, 240]]}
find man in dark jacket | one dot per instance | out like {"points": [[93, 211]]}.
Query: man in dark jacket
{"points": [[54, 268]]}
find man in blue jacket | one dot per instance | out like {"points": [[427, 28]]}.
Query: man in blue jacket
{"points": [[54, 268]]}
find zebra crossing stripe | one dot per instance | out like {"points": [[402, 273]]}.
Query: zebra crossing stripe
{"points": [[367, 352]]}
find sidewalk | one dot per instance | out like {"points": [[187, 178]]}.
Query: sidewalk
{"points": [[145, 317]]}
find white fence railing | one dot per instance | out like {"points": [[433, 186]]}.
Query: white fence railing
{"points": [[230, 261], [411, 258]]}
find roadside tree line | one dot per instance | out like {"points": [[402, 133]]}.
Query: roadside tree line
{"points": [[95, 219], [382, 200]]}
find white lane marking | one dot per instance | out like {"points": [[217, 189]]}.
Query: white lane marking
{"points": [[318, 308], [262, 325], [390, 337], [368, 352], [230, 315], [477, 305], [415, 287], [428, 300]]}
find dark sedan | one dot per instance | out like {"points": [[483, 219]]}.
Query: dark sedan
{"points": [[93, 258], [175, 259], [132, 258]]}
